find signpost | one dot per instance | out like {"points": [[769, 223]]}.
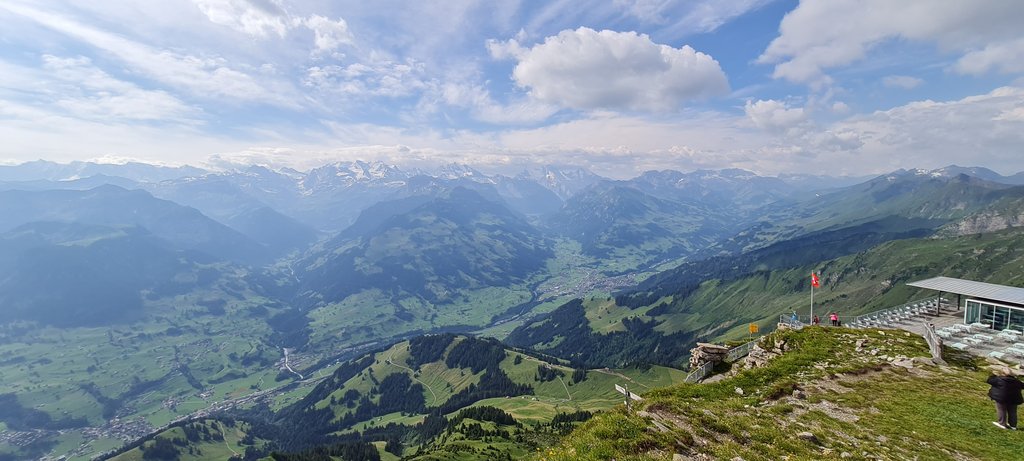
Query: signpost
{"points": [[629, 395]]}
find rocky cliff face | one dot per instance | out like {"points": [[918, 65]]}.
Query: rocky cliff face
{"points": [[984, 222]]}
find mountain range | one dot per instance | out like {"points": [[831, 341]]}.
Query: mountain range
{"points": [[176, 294]]}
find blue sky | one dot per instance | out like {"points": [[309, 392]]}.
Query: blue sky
{"points": [[620, 86]]}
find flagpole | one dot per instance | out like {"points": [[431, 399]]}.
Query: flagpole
{"points": [[814, 281]]}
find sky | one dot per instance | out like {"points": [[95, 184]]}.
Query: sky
{"points": [[832, 87]]}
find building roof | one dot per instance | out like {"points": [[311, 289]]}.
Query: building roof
{"points": [[1003, 293]]}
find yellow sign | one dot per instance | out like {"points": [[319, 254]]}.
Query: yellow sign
{"points": [[753, 328]]}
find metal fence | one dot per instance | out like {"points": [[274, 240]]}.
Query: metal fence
{"points": [[893, 315], [881, 318], [934, 343], [795, 321], [700, 373], [740, 351]]}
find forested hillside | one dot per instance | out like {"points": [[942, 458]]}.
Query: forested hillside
{"points": [[423, 397]]}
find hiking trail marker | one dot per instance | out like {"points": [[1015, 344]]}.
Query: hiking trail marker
{"points": [[629, 395]]}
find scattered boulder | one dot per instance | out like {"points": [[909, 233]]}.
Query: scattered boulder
{"points": [[759, 356], [808, 437]]}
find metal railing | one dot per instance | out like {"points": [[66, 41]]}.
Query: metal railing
{"points": [[934, 343], [796, 322], [890, 316], [740, 351], [700, 373], [880, 318]]}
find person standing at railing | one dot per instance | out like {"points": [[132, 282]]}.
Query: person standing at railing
{"points": [[834, 317], [815, 320]]}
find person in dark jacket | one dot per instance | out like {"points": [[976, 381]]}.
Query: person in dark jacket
{"points": [[1006, 392]]}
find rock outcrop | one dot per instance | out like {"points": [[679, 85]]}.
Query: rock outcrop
{"points": [[707, 353]]}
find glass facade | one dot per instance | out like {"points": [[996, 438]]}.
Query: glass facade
{"points": [[997, 316]]}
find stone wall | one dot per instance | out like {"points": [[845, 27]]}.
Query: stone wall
{"points": [[705, 353]]}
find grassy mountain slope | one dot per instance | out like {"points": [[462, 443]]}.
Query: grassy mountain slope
{"points": [[721, 303], [197, 337], [452, 261], [73, 275], [443, 373], [425, 394], [854, 284], [854, 404], [202, 440], [458, 241]]}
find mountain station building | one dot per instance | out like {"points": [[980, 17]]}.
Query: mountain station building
{"points": [[998, 307]]}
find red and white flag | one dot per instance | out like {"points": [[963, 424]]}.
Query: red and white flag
{"points": [[814, 280]]}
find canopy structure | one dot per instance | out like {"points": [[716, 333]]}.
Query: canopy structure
{"points": [[990, 291], [987, 304]]}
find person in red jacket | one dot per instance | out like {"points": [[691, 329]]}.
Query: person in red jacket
{"points": [[1006, 392]]}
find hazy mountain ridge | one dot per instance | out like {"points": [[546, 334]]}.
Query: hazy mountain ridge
{"points": [[110, 205], [135, 171], [904, 193], [610, 218]]}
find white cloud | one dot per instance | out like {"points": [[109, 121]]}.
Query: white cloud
{"points": [[254, 17], [924, 134], [823, 34], [485, 108], [708, 15], [1007, 57], [328, 35], [645, 10], [92, 93], [32, 133], [202, 76], [840, 107], [905, 82], [774, 115], [359, 80], [587, 69], [75, 87], [264, 18], [1011, 115]]}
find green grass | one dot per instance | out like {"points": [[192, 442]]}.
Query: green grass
{"points": [[855, 403], [203, 450]]}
